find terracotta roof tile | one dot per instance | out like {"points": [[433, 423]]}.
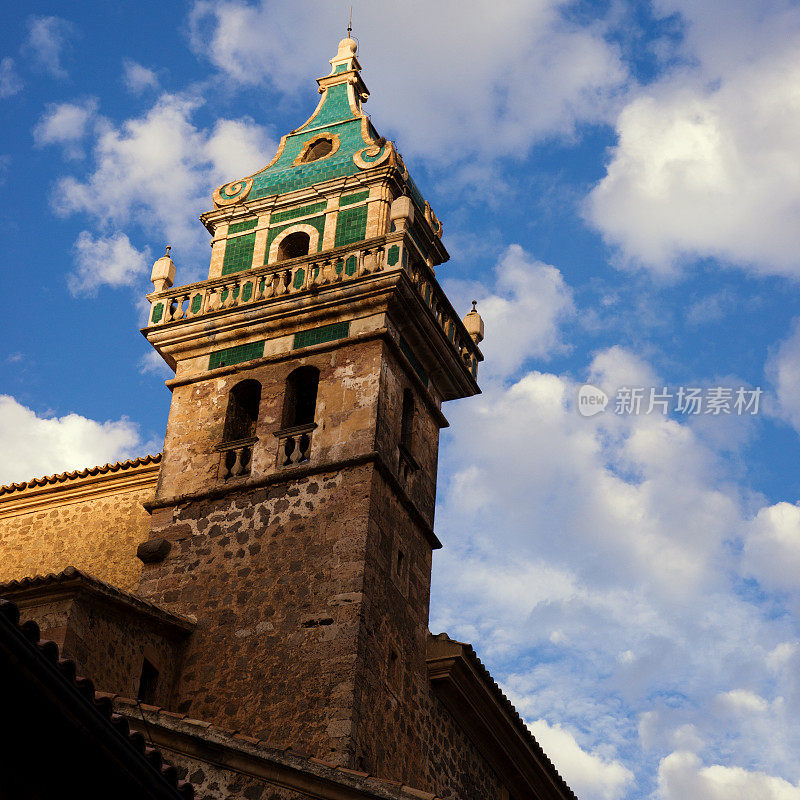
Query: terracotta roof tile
{"points": [[62, 477], [101, 701]]}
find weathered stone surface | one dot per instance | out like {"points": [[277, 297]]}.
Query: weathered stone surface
{"points": [[153, 550], [94, 523]]}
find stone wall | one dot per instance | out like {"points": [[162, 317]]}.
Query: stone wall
{"points": [[107, 633], [274, 576], [94, 523]]}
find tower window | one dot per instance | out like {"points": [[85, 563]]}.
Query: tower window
{"points": [[321, 148], [148, 682], [242, 414], [294, 245], [407, 422], [300, 399]]}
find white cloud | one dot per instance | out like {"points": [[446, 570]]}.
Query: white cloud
{"points": [[682, 776], [159, 170], [10, 82], [706, 164], [33, 446], [138, 78], [151, 363], [772, 548], [66, 124], [524, 313], [589, 775], [506, 77], [110, 260], [47, 39], [783, 370], [594, 564]]}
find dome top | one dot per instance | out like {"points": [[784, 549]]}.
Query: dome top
{"points": [[347, 48]]}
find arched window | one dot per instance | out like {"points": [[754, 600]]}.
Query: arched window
{"points": [[300, 399], [407, 421], [321, 148], [294, 245], [242, 413]]}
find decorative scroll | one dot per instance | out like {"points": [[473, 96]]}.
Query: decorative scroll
{"points": [[373, 156], [231, 193]]}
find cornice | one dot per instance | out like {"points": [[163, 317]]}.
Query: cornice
{"points": [[77, 487]]}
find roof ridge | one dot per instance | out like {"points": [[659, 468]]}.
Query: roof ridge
{"points": [[72, 573], [264, 744], [61, 477]]}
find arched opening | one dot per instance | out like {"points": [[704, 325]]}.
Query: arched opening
{"points": [[320, 149], [242, 414], [294, 245], [300, 399], [407, 421]]}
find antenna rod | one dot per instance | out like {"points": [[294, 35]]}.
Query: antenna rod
{"points": [[350, 23]]}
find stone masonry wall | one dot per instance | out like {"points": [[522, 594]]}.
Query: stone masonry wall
{"points": [[347, 402], [275, 578], [98, 533], [106, 643]]}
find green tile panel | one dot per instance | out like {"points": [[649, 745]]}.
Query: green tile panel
{"points": [[236, 355], [282, 216], [336, 108], [351, 226], [325, 333], [353, 198], [238, 253], [240, 227], [317, 222]]}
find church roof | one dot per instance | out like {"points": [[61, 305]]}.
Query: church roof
{"points": [[61, 477], [356, 145], [74, 578]]}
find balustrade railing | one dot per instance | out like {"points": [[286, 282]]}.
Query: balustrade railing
{"points": [[236, 458], [309, 273], [256, 285], [435, 299], [294, 445]]}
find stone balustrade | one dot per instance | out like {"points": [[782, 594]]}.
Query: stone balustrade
{"points": [[294, 445], [434, 297], [236, 458], [310, 273], [263, 283]]}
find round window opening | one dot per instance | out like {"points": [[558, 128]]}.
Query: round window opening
{"points": [[321, 148]]}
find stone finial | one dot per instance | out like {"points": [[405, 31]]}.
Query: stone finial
{"points": [[163, 274], [474, 324], [347, 48], [402, 212]]}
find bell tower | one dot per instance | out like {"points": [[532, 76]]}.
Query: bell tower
{"points": [[294, 511]]}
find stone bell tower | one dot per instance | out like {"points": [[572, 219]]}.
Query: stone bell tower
{"points": [[294, 511]]}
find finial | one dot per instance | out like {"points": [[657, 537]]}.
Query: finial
{"points": [[350, 23], [169, 247], [474, 324]]}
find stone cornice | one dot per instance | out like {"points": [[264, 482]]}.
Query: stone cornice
{"points": [[487, 716], [246, 755], [72, 582]]}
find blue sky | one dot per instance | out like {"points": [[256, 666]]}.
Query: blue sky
{"points": [[618, 184]]}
